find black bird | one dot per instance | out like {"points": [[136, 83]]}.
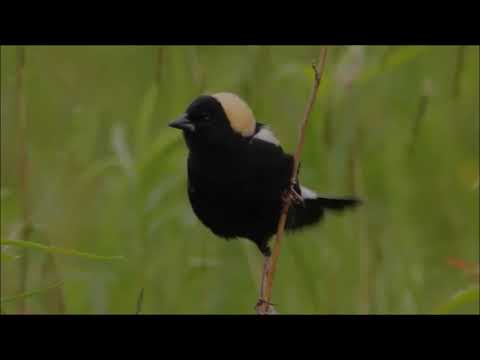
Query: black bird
{"points": [[238, 174]]}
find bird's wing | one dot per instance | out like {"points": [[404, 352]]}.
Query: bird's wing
{"points": [[270, 167]]}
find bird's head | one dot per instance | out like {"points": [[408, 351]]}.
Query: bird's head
{"points": [[216, 119]]}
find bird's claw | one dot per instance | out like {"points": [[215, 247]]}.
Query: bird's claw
{"points": [[291, 195]]}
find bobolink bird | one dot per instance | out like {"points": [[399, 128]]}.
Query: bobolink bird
{"points": [[238, 174]]}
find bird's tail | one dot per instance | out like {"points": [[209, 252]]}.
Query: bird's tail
{"points": [[313, 208]]}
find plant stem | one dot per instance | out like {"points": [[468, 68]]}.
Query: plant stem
{"points": [[159, 61], [263, 306], [459, 65], [139, 307], [420, 115], [22, 170]]}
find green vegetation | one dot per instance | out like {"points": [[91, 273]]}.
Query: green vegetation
{"points": [[105, 180]]}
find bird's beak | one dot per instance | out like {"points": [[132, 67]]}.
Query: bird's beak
{"points": [[183, 123]]}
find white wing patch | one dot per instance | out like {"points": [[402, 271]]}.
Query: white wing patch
{"points": [[266, 134], [307, 193]]}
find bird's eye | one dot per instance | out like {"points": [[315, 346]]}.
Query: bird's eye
{"points": [[205, 117]]}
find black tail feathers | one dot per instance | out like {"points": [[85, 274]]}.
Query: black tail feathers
{"points": [[312, 211], [337, 203]]}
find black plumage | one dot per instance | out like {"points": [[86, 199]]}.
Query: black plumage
{"points": [[238, 173]]}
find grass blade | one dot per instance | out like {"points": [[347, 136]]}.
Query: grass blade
{"points": [[4, 193], [139, 302], [98, 168], [29, 294], [52, 249], [144, 119], [122, 151], [164, 142], [7, 257], [464, 297]]}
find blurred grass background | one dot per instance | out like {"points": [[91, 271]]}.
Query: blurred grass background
{"points": [[105, 175]]}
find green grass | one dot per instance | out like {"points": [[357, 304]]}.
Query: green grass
{"points": [[51, 249], [108, 177]]}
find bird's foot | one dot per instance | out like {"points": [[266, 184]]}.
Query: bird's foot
{"points": [[292, 196]]}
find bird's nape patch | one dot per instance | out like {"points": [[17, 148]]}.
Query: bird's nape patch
{"points": [[266, 134], [238, 113]]}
